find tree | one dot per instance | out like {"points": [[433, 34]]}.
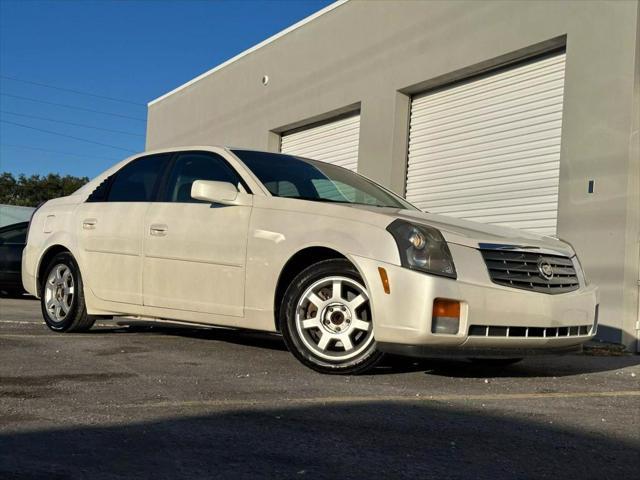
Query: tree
{"points": [[33, 190]]}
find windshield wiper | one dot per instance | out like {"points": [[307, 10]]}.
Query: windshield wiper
{"points": [[345, 202], [316, 199], [374, 205]]}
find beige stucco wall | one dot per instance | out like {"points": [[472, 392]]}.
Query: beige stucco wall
{"points": [[373, 55]]}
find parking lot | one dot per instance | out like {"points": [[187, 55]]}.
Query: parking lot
{"points": [[134, 401]]}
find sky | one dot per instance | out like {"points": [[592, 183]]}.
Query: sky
{"points": [[122, 53]]}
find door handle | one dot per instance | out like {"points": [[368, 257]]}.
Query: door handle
{"points": [[89, 223], [158, 230]]}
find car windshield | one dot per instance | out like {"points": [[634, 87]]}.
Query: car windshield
{"points": [[302, 178]]}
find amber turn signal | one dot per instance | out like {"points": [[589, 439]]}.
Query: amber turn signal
{"points": [[445, 317], [446, 308], [385, 280]]}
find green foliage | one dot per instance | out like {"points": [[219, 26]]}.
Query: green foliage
{"points": [[35, 189]]}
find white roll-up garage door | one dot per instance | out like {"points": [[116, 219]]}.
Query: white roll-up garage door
{"points": [[489, 150], [334, 142]]}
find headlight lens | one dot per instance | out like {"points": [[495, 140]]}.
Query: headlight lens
{"points": [[422, 248], [580, 271]]}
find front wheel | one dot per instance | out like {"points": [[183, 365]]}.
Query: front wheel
{"points": [[326, 320], [62, 298]]}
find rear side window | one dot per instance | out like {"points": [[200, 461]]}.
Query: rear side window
{"points": [[136, 181], [193, 166]]}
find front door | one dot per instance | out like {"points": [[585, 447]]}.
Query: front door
{"points": [[195, 252]]}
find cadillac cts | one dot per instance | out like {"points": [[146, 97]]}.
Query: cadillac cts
{"points": [[344, 269]]}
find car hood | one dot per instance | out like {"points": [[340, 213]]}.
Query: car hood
{"points": [[477, 235]]}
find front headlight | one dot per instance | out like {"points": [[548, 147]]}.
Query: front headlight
{"points": [[578, 266], [422, 248], [576, 263]]}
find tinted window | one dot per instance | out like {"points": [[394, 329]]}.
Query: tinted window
{"points": [[14, 234], [136, 181], [99, 194], [193, 166], [295, 177], [282, 188]]}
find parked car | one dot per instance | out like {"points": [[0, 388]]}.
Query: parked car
{"points": [[12, 242], [343, 268]]}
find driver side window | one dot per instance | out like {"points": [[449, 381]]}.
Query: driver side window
{"points": [[193, 166]]}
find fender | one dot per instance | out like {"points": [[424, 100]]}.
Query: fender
{"points": [[269, 250], [61, 239]]}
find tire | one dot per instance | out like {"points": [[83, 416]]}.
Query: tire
{"points": [[326, 321], [62, 296], [496, 362]]}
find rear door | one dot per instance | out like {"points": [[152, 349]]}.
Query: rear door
{"points": [[195, 252], [111, 229]]}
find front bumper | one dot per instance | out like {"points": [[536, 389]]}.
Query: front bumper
{"points": [[538, 322], [431, 351]]}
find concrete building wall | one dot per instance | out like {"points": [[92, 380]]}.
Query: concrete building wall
{"points": [[373, 56]]}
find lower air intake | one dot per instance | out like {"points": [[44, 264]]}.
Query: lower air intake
{"points": [[528, 332]]}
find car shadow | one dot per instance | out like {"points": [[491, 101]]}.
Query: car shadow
{"points": [[16, 295], [362, 440], [249, 338], [542, 366]]}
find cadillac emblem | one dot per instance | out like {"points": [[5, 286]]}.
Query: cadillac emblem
{"points": [[545, 269]]}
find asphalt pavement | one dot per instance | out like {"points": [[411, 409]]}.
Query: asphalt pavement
{"points": [[170, 403]]}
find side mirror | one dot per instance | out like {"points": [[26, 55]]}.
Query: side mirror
{"points": [[224, 193]]}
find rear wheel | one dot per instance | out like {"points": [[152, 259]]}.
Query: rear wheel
{"points": [[62, 296], [326, 319]]}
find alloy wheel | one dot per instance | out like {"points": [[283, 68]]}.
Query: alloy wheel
{"points": [[333, 318], [58, 293]]}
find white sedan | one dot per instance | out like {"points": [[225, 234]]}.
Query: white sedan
{"points": [[344, 269]]}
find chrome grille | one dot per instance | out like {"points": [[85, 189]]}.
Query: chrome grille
{"points": [[525, 270]]}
